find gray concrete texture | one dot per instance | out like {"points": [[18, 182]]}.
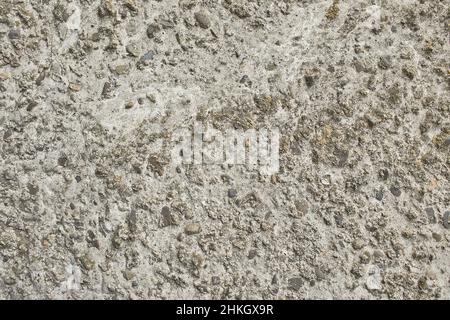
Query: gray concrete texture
{"points": [[92, 207]]}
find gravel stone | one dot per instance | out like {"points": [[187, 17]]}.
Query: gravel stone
{"points": [[202, 20], [133, 49], [87, 262], [430, 214], [168, 219], [385, 62], [396, 192], [192, 228], [252, 253], [152, 30], [379, 194], [147, 58]]}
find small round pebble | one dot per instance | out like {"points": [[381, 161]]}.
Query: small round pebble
{"points": [[232, 193], [396, 192], [202, 20]]}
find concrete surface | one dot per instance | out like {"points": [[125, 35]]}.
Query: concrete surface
{"points": [[92, 206]]}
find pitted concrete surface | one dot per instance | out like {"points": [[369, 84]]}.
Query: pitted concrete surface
{"points": [[93, 207]]}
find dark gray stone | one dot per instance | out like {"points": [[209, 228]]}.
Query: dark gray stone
{"points": [[14, 34], [202, 20], [431, 215], [152, 30], [379, 194], [232, 193], [167, 218], [295, 284], [396, 192]]}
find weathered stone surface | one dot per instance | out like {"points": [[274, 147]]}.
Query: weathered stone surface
{"points": [[96, 95]]}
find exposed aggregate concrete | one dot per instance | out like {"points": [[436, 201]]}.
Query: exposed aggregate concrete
{"points": [[91, 92]]}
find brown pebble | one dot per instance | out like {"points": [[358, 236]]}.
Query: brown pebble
{"points": [[75, 87], [192, 228]]}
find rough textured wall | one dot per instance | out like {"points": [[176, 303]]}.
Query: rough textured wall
{"points": [[91, 93]]}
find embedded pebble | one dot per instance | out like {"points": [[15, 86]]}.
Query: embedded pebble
{"points": [[373, 282], [192, 228], [168, 219], [430, 214], [396, 192], [14, 34], [152, 30], [295, 283], [147, 58], [202, 20], [232, 193], [133, 49]]}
